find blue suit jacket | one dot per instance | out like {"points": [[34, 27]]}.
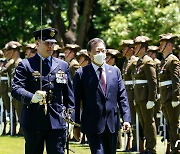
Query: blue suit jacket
{"points": [[26, 82], [99, 109]]}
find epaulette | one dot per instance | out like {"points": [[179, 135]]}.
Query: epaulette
{"points": [[157, 61], [134, 59], [148, 60], [172, 57], [74, 63]]}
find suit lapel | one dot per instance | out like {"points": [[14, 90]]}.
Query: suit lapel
{"points": [[92, 75], [108, 77]]}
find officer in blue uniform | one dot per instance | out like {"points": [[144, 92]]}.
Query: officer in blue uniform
{"points": [[42, 107]]}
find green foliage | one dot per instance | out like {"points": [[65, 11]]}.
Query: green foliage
{"points": [[130, 18], [18, 19], [112, 20]]}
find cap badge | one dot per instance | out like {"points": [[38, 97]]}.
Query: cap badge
{"points": [[52, 33]]}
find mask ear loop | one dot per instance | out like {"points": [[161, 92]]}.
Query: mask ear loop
{"points": [[109, 60], [165, 47], [68, 55], [82, 62], [139, 50], [127, 50]]}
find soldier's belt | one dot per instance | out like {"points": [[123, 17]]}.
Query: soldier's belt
{"points": [[130, 82], [165, 83], [140, 81], [3, 78]]}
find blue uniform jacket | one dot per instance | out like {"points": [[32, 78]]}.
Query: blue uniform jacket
{"points": [[99, 109], [27, 81]]}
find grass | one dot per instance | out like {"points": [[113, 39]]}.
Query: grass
{"points": [[15, 145]]}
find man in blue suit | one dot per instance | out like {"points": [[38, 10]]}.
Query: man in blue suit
{"points": [[41, 95], [101, 89]]}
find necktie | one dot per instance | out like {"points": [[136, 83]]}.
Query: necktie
{"points": [[102, 79], [46, 67]]}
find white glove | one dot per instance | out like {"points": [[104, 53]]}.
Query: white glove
{"points": [[175, 103], [158, 96], [38, 96], [150, 104], [126, 126]]}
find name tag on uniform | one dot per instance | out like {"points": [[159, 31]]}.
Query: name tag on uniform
{"points": [[61, 77]]}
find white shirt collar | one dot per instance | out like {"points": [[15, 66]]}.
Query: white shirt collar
{"points": [[49, 58], [96, 67]]}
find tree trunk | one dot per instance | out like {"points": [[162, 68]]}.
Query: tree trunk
{"points": [[87, 14], [73, 17]]}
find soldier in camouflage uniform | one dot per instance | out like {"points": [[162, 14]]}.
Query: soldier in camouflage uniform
{"points": [[152, 52], [145, 92], [112, 56], [128, 73], [83, 57], [12, 53], [4, 90], [170, 88], [70, 51], [57, 50], [30, 50]]}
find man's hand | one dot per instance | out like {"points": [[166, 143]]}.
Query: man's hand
{"points": [[150, 105], [175, 103], [76, 132], [38, 97], [126, 126]]}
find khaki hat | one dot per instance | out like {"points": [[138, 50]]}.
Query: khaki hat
{"points": [[76, 48], [114, 52], [1, 54], [142, 39], [30, 45], [82, 52], [153, 48], [12, 45], [57, 48], [127, 42], [168, 36], [61, 55]]}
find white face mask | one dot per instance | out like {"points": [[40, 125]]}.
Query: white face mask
{"points": [[99, 58]]}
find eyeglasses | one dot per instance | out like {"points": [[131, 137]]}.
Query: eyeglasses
{"points": [[103, 51]]}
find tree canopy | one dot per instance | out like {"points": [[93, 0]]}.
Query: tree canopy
{"points": [[80, 20]]}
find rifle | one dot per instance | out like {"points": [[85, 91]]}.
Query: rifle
{"points": [[1, 115], [137, 132]]}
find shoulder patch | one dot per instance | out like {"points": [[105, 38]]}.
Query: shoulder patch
{"points": [[148, 60]]}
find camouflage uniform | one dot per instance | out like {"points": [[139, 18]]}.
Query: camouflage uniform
{"points": [[170, 89], [145, 92], [10, 69], [73, 63], [153, 50]]}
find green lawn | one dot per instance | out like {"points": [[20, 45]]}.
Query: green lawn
{"points": [[15, 145]]}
